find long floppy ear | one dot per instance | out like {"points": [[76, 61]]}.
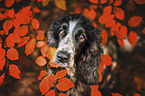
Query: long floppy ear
{"points": [[88, 61]]}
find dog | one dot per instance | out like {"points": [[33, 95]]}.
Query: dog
{"points": [[79, 49]]}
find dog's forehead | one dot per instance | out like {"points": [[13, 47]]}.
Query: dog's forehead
{"points": [[73, 25]]}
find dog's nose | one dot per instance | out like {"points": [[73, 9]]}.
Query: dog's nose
{"points": [[63, 56]]}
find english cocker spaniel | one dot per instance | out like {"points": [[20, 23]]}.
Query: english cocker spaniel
{"points": [[78, 49]]}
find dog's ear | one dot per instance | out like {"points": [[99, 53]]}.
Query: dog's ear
{"points": [[89, 59], [52, 34]]}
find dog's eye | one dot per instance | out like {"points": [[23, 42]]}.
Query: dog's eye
{"points": [[82, 37], [61, 33], [64, 26]]}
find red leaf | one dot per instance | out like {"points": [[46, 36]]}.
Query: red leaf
{"points": [[1, 16], [35, 23], [41, 61], [36, 10], [104, 36], [12, 54], [134, 21], [10, 13], [119, 13], [117, 2], [7, 25], [42, 74], [103, 1], [94, 87], [132, 38], [2, 53], [60, 4], [21, 31], [116, 94], [115, 28], [9, 3], [61, 74], [90, 13], [29, 48], [2, 78], [40, 43], [64, 84], [62, 94], [140, 1], [107, 10], [50, 93], [96, 93], [2, 63], [14, 71], [77, 9], [52, 64], [143, 30], [136, 94], [23, 41], [100, 76], [122, 32], [106, 59], [120, 42], [40, 37], [94, 1]]}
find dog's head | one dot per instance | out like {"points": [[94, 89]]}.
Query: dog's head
{"points": [[75, 38]]}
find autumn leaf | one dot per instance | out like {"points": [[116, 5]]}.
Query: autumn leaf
{"points": [[40, 44], [134, 21], [101, 67], [2, 78], [136, 94], [94, 1], [14, 71], [77, 9], [95, 25], [2, 16], [104, 36], [120, 42], [52, 64], [122, 32], [2, 53], [12, 54], [132, 38], [10, 13], [119, 13], [7, 25], [103, 1], [35, 23], [116, 94], [94, 87], [117, 2], [24, 40], [107, 10], [2, 63], [29, 48], [22, 30], [50, 93], [42, 74], [64, 84], [40, 37], [100, 76], [90, 13], [52, 52], [36, 10], [60, 4], [9, 3], [143, 30], [140, 1], [61, 74], [41, 61], [106, 59], [95, 91], [45, 2], [62, 94]]}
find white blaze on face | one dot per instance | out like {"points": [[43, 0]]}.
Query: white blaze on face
{"points": [[67, 45]]}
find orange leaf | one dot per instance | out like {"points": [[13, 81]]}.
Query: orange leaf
{"points": [[101, 67], [120, 42], [23, 41], [93, 7], [52, 52], [77, 9], [115, 28], [41, 61], [103, 1], [40, 37], [44, 85], [61, 74], [134, 21], [119, 13], [107, 10], [29, 48], [62, 94], [50, 93], [10, 13], [94, 87], [36, 10], [100, 76], [136, 94], [52, 64], [106, 59], [64, 84], [35, 23], [104, 36], [132, 38], [90, 13], [122, 32], [2, 63], [95, 25], [7, 25], [2, 78], [116, 94], [14, 71], [42, 74], [117, 2], [96, 93], [140, 1], [9, 3], [1, 16], [143, 30], [60, 4], [22, 30], [40, 44], [2, 53], [94, 1], [12, 54]]}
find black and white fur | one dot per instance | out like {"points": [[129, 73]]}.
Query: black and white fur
{"points": [[78, 49]]}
